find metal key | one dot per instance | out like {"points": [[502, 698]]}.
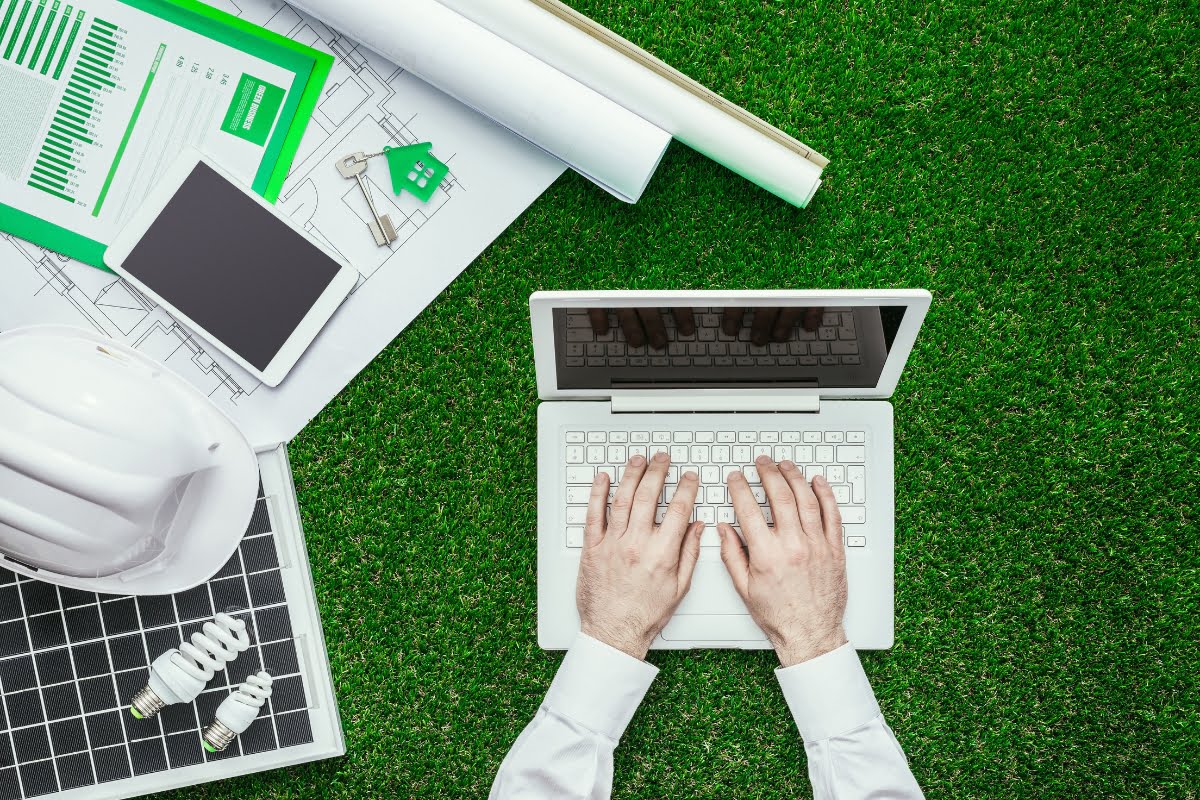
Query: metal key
{"points": [[353, 166]]}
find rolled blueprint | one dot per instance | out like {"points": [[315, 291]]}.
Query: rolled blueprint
{"points": [[621, 71], [596, 136]]}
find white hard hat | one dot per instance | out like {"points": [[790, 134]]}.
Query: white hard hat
{"points": [[116, 475]]}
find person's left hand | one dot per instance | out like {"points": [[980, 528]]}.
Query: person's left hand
{"points": [[634, 573]]}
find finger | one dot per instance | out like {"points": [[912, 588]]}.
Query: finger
{"points": [[599, 319], [782, 330], [812, 319], [685, 321], [760, 326], [593, 526], [645, 501], [806, 501], [779, 497], [731, 320], [632, 326], [689, 554], [656, 331], [735, 558], [749, 515], [622, 504], [831, 515], [679, 511]]}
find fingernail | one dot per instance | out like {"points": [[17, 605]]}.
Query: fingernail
{"points": [[636, 461], [691, 474], [661, 455], [785, 464], [763, 460], [819, 480]]}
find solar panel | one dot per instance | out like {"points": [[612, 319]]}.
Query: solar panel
{"points": [[71, 660]]}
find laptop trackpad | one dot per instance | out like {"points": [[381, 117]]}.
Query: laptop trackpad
{"points": [[712, 628], [712, 610]]}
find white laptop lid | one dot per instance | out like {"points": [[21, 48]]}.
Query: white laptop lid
{"points": [[862, 340]]}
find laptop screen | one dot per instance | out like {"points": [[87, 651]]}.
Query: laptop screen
{"points": [[649, 347]]}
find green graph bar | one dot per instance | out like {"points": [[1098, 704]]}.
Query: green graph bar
{"points": [[92, 61], [62, 60], [48, 190], [66, 134], [137, 109], [8, 15], [108, 52], [105, 24], [86, 72], [80, 79], [62, 25], [12, 41], [74, 101], [100, 39], [64, 117], [41, 42], [53, 134], [52, 169], [49, 178], [83, 98], [55, 153], [60, 148], [71, 108], [37, 16], [54, 160]]}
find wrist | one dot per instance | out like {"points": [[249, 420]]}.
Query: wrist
{"points": [[796, 650], [632, 645]]}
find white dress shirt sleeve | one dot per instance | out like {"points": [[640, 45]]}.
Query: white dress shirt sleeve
{"points": [[567, 750], [851, 751]]}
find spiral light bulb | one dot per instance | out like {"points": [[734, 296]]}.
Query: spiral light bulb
{"points": [[236, 713], [179, 675]]}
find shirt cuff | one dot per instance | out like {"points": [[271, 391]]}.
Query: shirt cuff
{"points": [[599, 687], [828, 695]]}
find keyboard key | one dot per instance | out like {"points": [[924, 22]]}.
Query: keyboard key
{"points": [[856, 437], [661, 437], [852, 454], [836, 474], [726, 514], [844, 348], [710, 537], [595, 454], [575, 437], [616, 454], [841, 492], [700, 453], [726, 437], [672, 474], [853, 515], [760, 494], [741, 454], [581, 475], [639, 437], [768, 437], [574, 454], [857, 477], [576, 515], [578, 495], [574, 536], [710, 475], [714, 495], [856, 541], [618, 437], [706, 514], [747, 437], [791, 437], [682, 436], [596, 437], [804, 454], [834, 437], [751, 474], [610, 471], [705, 437], [726, 471], [812, 437], [720, 453], [813, 470], [824, 453], [783, 452], [679, 453]]}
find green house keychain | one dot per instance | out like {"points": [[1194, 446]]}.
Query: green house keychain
{"points": [[415, 170]]}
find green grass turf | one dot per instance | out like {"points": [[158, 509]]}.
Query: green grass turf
{"points": [[1032, 164]]}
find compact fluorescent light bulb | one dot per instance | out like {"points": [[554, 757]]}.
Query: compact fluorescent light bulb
{"points": [[236, 713], [178, 676]]}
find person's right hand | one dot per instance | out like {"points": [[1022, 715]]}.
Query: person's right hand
{"points": [[792, 578]]}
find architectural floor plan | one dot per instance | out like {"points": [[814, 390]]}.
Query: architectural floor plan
{"points": [[367, 103]]}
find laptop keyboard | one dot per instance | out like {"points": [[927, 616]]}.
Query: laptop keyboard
{"points": [[833, 343], [838, 455]]}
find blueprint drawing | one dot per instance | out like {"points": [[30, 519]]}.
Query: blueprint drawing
{"points": [[367, 103]]}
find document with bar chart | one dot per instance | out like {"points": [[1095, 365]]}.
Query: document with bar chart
{"points": [[97, 97]]}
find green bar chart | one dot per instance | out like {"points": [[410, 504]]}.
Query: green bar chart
{"points": [[72, 125], [38, 34]]}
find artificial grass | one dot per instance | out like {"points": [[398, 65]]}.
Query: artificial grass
{"points": [[1034, 165]]}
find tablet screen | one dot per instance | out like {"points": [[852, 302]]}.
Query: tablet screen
{"points": [[231, 266]]}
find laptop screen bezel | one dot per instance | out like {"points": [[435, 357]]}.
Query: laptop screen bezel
{"points": [[542, 304]]}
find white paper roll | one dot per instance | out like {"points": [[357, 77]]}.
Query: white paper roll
{"points": [[599, 138], [621, 71]]}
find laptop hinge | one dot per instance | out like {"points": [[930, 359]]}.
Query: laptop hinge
{"points": [[683, 401]]}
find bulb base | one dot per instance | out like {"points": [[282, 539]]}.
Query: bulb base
{"points": [[146, 704], [217, 736]]}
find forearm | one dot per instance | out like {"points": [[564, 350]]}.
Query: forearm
{"points": [[567, 750], [851, 750]]}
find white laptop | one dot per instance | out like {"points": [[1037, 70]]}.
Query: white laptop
{"points": [[623, 373]]}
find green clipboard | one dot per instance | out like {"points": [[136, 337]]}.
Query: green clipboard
{"points": [[310, 66]]}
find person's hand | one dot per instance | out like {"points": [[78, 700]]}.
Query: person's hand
{"points": [[644, 326], [633, 573], [770, 324], [792, 578]]}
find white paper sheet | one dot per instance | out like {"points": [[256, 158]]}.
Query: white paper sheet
{"points": [[614, 147], [368, 102], [617, 69]]}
